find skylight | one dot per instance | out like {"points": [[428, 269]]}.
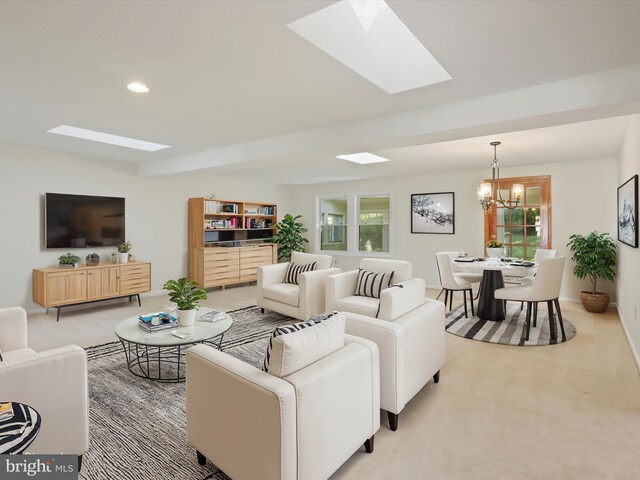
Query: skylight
{"points": [[368, 37], [107, 138], [363, 158]]}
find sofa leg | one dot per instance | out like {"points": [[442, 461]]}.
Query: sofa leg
{"points": [[79, 462], [368, 444], [436, 377], [202, 460], [393, 421], [262, 310]]}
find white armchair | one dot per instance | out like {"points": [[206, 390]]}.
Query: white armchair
{"points": [[301, 301], [54, 383], [412, 345], [301, 426], [341, 289]]}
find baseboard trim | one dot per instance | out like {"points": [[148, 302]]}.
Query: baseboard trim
{"points": [[634, 352]]}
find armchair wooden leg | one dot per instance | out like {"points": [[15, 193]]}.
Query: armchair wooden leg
{"points": [[528, 321], [262, 310], [393, 421], [564, 335], [464, 295], [436, 377], [202, 460], [368, 444], [473, 313], [79, 462]]}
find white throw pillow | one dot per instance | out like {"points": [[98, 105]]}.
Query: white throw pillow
{"points": [[296, 350]]}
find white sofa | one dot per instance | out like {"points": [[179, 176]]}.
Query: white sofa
{"points": [[341, 289], [411, 344], [54, 383], [254, 425], [300, 301]]}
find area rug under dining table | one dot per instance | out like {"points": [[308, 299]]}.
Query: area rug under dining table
{"points": [[509, 331], [137, 427]]}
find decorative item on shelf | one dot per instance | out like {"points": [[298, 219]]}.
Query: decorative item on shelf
{"points": [[489, 194], [186, 295], [114, 258], [92, 259], [211, 196], [594, 256], [131, 258], [495, 248], [289, 237], [123, 251], [68, 260]]}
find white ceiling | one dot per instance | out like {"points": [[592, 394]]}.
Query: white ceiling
{"points": [[223, 73]]}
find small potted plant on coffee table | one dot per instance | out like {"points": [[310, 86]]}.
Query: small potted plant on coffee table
{"points": [[123, 251], [68, 260], [186, 295], [595, 257], [495, 248]]}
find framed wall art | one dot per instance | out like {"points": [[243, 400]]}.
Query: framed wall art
{"points": [[628, 212], [433, 213]]}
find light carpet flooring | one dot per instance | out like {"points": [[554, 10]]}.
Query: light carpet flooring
{"points": [[568, 411]]}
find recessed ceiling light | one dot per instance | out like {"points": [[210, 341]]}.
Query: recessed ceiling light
{"points": [[368, 37], [138, 87], [107, 138], [363, 158]]}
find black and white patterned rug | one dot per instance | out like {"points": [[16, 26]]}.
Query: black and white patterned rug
{"points": [[510, 331], [137, 427]]}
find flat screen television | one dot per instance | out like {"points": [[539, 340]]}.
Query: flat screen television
{"points": [[77, 221]]}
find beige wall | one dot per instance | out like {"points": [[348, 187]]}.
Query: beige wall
{"points": [[156, 212], [583, 199], [628, 296]]}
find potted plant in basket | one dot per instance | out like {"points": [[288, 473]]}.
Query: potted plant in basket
{"points": [[289, 237], [595, 257], [495, 248], [68, 260], [123, 251], [186, 295]]}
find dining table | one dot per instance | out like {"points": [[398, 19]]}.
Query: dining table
{"points": [[493, 271]]}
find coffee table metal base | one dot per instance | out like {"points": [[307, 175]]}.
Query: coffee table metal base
{"points": [[147, 361], [488, 307]]}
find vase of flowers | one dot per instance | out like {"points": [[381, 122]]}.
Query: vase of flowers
{"points": [[123, 251], [495, 248]]}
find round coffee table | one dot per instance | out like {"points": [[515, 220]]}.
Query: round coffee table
{"points": [[160, 355]]}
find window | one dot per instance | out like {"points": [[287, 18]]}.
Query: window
{"points": [[373, 226], [334, 224], [357, 224], [524, 229]]}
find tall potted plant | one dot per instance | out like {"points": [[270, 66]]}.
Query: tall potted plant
{"points": [[595, 257], [289, 236], [186, 295]]}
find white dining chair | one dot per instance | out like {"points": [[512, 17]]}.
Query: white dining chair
{"points": [[545, 288], [458, 268], [455, 281]]}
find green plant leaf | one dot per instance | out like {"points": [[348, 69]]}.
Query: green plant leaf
{"points": [[594, 256]]}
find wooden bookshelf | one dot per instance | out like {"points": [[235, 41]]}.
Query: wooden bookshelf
{"points": [[227, 240]]}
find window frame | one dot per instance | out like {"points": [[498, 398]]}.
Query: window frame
{"points": [[542, 181], [352, 224]]}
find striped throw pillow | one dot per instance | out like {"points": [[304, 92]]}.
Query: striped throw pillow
{"points": [[290, 329], [371, 284], [294, 270]]}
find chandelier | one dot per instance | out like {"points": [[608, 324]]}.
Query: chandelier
{"points": [[489, 194]]}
